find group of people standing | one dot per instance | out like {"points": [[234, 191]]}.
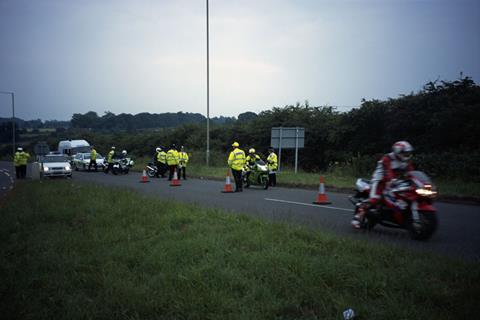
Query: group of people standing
{"points": [[240, 163], [171, 161], [20, 160]]}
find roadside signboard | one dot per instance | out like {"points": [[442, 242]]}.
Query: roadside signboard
{"points": [[287, 138]]}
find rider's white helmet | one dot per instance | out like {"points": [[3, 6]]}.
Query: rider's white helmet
{"points": [[402, 150], [124, 152], [158, 149], [251, 150]]}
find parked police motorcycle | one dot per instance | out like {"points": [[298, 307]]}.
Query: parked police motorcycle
{"points": [[258, 175], [405, 204], [121, 166]]}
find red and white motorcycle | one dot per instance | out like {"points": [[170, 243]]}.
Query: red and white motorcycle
{"points": [[406, 204]]}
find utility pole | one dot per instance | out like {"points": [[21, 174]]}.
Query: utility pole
{"points": [[208, 95], [13, 119]]}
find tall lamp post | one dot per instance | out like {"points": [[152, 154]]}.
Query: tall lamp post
{"points": [[208, 95], [13, 119]]}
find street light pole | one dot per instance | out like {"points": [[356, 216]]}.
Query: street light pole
{"points": [[208, 95], [13, 119]]}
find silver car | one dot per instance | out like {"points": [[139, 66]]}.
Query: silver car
{"points": [[55, 165], [82, 160]]}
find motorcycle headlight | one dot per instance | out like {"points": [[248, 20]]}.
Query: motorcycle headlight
{"points": [[426, 192]]}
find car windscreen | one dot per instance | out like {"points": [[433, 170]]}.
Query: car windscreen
{"points": [[47, 159], [80, 149]]}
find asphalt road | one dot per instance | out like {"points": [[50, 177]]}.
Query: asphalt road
{"points": [[458, 234]]}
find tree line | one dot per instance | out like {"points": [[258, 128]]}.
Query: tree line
{"points": [[440, 120], [128, 122]]}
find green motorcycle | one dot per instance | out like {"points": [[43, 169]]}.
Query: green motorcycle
{"points": [[256, 175]]}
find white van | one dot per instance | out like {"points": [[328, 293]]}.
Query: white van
{"points": [[72, 147]]}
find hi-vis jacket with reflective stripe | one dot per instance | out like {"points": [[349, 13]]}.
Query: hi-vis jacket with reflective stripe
{"points": [[93, 154], [183, 158], [172, 157], [21, 158], [110, 156], [162, 157], [236, 159], [17, 159], [272, 161]]}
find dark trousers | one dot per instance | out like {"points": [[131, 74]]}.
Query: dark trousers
{"points": [[163, 169], [18, 172], [237, 175], [182, 170], [172, 170], [94, 163], [272, 177], [109, 167], [23, 172], [158, 164]]}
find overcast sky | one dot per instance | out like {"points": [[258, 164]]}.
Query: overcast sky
{"points": [[67, 56]]}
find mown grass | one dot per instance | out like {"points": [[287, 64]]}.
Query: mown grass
{"points": [[71, 251]]}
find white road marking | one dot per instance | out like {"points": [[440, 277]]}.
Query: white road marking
{"points": [[310, 205]]}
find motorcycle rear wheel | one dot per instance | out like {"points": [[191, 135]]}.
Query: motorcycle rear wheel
{"points": [[369, 223], [428, 226]]}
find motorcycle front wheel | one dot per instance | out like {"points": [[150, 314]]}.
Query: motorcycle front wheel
{"points": [[245, 181], [425, 228], [150, 172], [265, 183], [368, 222]]}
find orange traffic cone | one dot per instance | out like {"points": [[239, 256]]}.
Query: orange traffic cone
{"points": [[228, 184], [321, 197], [175, 182], [144, 177]]}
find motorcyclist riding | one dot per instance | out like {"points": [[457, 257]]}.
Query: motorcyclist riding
{"points": [[389, 168]]}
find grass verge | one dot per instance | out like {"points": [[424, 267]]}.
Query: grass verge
{"points": [[74, 251]]}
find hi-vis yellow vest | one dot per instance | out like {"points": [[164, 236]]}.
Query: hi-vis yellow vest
{"points": [[236, 159]]}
